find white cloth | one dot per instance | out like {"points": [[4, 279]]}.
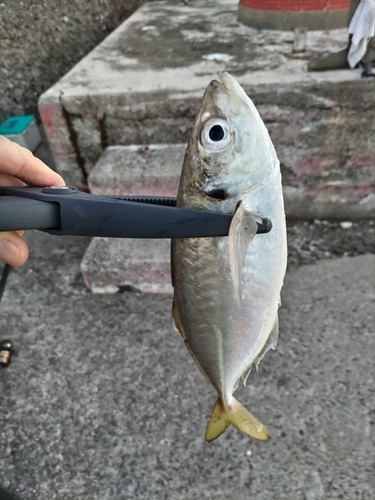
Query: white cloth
{"points": [[362, 29]]}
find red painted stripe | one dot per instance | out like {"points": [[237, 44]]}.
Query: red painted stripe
{"points": [[296, 5]]}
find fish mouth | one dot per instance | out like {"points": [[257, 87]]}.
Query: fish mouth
{"points": [[217, 194]]}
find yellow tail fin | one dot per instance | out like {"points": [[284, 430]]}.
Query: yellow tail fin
{"points": [[237, 415]]}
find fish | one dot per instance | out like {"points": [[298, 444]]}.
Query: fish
{"points": [[227, 289]]}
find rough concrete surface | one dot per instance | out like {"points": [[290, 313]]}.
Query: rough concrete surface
{"points": [[102, 401], [111, 265], [42, 40]]}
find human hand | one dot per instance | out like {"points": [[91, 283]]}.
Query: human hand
{"points": [[18, 167]]}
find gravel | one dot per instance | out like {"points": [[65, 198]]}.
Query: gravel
{"points": [[320, 239], [41, 40]]}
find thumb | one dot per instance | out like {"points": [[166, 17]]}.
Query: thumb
{"points": [[13, 249]]}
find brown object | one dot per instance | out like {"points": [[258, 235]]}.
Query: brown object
{"points": [[5, 352], [336, 60]]}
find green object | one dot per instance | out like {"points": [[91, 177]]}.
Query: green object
{"points": [[23, 130], [16, 124]]}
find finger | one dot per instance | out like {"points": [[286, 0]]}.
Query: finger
{"points": [[9, 180], [13, 249], [19, 162]]}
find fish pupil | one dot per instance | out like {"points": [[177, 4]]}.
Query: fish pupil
{"points": [[216, 133]]}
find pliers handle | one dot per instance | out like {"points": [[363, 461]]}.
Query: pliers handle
{"points": [[64, 210]]}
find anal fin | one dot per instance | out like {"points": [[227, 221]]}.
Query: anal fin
{"points": [[178, 326], [271, 342], [177, 320], [245, 374]]}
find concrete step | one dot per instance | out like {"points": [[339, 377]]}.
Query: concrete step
{"points": [[152, 170], [144, 84], [113, 265]]}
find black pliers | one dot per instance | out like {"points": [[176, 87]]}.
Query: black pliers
{"points": [[65, 210]]}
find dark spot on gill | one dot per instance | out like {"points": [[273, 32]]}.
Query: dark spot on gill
{"points": [[218, 194]]}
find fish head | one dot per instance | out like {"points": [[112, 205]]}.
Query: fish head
{"points": [[230, 152]]}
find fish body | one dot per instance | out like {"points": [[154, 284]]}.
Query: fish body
{"points": [[227, 289]]}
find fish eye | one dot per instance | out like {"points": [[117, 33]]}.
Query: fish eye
{"points": [[215, 135]]}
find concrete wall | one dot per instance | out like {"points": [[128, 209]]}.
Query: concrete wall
{"points": [[40, 40]]}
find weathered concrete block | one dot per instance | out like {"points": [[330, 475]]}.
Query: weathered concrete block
{"points": [[111, 265], [153, 170], [144, 84], [114, 265], [325, 139]]}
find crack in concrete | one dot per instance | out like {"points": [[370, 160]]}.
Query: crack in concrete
{"points": [[73, 137], [101, 117]]}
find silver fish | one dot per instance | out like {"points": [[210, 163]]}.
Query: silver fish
{"points": [[227, 289]]}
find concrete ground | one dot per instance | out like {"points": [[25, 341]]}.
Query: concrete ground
{"points": [[102, 401]]}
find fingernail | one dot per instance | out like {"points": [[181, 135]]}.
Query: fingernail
{"points": [[9, 252]]}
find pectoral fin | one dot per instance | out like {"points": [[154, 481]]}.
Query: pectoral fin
{"points": [[242, 230]]}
